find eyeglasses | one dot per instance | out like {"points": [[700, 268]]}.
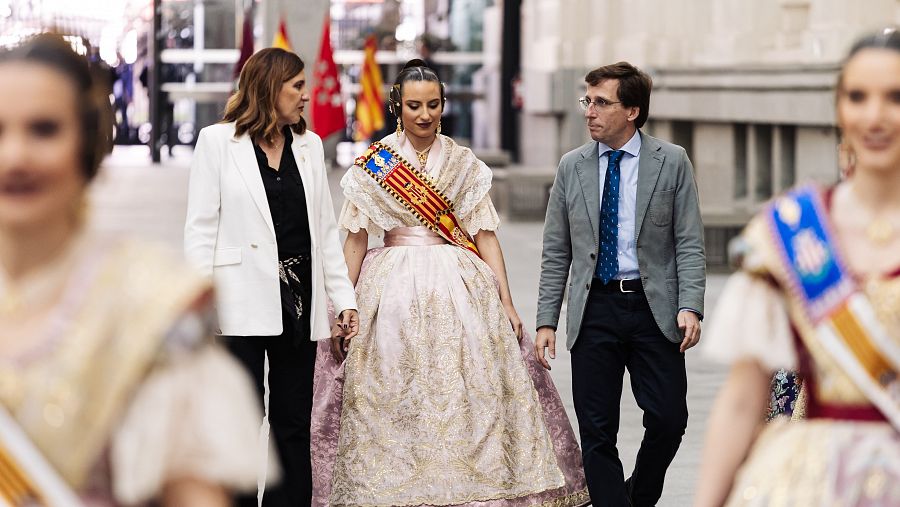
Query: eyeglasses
{"points": [[598, 103]]}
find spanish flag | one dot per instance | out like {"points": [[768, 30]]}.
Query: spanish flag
{"points": [[370, 103], [281, 38]]}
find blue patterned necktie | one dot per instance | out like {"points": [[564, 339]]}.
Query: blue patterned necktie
{"points": [[608, 261]]}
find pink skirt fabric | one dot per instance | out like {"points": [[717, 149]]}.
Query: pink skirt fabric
{"points": [[330, 376]]}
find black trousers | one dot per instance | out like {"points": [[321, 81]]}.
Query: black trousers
{"points": [[618, 332], [291, 364]]}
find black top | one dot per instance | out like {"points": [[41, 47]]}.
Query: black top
{"points": [[287, 202]]}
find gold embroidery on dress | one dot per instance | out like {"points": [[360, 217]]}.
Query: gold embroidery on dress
{"points": [[68, 399], [816, 462], [446, 398]]}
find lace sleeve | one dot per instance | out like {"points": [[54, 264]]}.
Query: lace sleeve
{"points": [[482, 218], [351, 219], [751, 322], [195, 415], [476, 182], [367, 206]]}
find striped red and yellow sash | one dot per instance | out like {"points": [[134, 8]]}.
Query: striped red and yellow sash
{"points": [[416, 192], [15, 487], [26, 479]]}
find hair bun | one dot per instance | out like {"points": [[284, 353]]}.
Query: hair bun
{"points": [[415, 62]]}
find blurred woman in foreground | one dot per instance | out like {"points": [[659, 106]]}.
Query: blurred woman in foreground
{"points": [[819, 292], [106, 366]]}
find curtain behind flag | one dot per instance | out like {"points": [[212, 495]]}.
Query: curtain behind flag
{"points": [[281, 37], [370, 104], [246, 42], [327, 104]]}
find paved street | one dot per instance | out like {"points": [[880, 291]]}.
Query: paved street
{"points": [[135, 197]]}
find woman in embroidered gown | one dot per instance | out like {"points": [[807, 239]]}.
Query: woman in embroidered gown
{"points": [[824, 302], [106, 365], [440, 400]]}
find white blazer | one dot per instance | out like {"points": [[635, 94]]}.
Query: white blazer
{"points": [[229, 234]]}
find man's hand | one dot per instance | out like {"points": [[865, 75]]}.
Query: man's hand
{"points": [[546, 338], [689, 324]]}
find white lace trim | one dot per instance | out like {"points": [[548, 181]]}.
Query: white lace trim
{"points": [[477, 186], [376, 209], [353, 220], [483, 218]]}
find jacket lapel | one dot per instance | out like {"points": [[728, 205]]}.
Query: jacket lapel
{"points": [[589, 176], [245, 160], [649, 166], [300, 149]]}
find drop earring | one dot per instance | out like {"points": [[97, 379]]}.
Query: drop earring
{"points": [[438, 131], [399, 127]]}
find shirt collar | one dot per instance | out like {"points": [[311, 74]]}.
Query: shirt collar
{"points": [[632, 147]]}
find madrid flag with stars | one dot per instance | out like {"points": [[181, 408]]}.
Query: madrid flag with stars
{"points": [[327, 104]]}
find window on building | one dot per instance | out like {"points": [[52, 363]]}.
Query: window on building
{"points": [[788, 143], [740, 161], [763, 171]]}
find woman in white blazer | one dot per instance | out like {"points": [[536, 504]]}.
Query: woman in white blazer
{"points": [[260, 221]]}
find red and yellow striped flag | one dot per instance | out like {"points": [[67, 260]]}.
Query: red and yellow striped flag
{"points": [[281, 38], [370, 103]]}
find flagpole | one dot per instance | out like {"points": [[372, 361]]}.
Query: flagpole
{"points": [[153, 82]]}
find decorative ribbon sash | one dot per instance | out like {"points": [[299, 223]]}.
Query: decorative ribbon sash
{"points": [[25, 476], [416, 192], [843, 318]]}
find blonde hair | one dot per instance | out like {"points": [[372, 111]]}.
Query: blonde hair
{"points": [[252, 106]]}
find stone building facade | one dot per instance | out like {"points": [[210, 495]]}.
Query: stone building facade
{"points": [[746, 87]]}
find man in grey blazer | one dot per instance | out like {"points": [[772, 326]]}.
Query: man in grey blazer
{"points": [[624, 217]]}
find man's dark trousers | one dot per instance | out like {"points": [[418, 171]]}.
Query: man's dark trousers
{"points": [[618, 332]]}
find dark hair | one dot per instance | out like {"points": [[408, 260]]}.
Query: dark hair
{"points": [[92, 92], [414, 70], [252, 106], [634, 86], [884, 39]]}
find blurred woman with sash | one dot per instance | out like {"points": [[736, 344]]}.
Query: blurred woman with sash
{"points": [[440, 400], [111, 391], [818, 292]]}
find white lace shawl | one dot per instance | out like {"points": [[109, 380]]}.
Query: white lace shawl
{"points": [[463, 178]]}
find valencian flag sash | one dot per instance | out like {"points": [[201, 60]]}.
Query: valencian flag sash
{"points": [[416, 192], [817, 279], [25, 476]]}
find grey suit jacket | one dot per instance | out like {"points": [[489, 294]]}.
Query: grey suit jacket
{"points": [[668, 227]]}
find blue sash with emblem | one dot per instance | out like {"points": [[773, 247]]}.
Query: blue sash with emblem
{"points": [[817, 279]]}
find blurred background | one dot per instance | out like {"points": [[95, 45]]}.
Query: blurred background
{"points": [[745, 87]]}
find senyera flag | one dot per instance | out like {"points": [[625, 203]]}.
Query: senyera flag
{"points": [[370, 104]]}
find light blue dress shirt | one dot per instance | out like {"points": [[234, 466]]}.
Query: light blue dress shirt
{"points": [[628, 171]]}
